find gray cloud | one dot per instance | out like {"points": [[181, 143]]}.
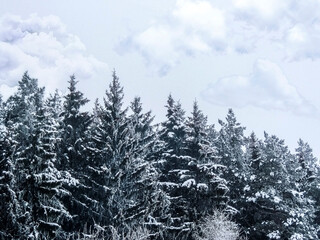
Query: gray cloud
{"points": [[193, 27], [197, 27], [43, 46], [267, 88]]}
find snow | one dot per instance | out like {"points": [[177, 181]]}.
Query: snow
{"points": [[262, 194], [70, 180], [290, 221], [51, 224], [168, 184], [276, 199], [152, 221], [274, 235], [189, 183], [244, 149], [202, 187], [296, 236], [171, 134], [251, 199], [296, 193]]}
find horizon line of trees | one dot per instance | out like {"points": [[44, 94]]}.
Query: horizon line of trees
{"points": [[112, 173]]}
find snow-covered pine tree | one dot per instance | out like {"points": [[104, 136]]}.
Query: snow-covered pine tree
{"points": [[140, 180], [10, 228], [205, 189], [54, 106], [19, 115], [74, 124], [230, 146], [50, 211], [160, 199], [173, 165], [72, 158], [309, 167], [279, 208], [269, 175], [38, 180], [250, 211], [293, 206], [142, 126], [119, 146], [96, 171], [307, 182], [110, 149]]}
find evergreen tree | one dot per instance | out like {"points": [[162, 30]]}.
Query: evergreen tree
{"points": [[269, 178], [230, 146], [254, 157], [308, 163], [74, 125], [112, 136], [119, 147], [173, 166], [113, 174], [49, 210], [38, 183], [140, 181], [208, 189], [278, 207], [10, 227], [54, 107], [72, 158], [142, 126], [308, 183]]}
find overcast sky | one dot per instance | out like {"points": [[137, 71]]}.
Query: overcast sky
{"points": [[259, 57]]}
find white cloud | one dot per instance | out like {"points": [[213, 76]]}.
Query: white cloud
{"points": [[303, 41], [201, 16], [196, 27], [267, 87], [43, 47], [262, 13], [193, 27], [294, 24]]}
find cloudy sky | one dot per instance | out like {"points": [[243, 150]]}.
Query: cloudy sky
{"points": [[259, 57]]}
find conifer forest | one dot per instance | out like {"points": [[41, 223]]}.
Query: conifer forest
{"points": [[113, 173]]}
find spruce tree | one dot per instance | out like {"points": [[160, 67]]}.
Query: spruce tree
{"points": [[119, 147], [230, 146], [96, 171], [277, 206], [38, 180], [72, 158], [54, 107], [307, 182], [269, 179], [50, 211], [10, 227], [254, 157], [140, 183], [74, 124], [112, 141], [173, 165], [209, 189]]}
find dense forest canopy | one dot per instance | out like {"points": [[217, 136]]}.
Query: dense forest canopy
{"points": [[112, 173]]}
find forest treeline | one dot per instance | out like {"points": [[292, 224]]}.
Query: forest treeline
{"points": [[113, 173]]}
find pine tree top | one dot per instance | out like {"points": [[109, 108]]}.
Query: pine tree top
{"points": [[75, 99]]}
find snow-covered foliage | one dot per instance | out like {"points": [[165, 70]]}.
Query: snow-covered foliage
{"points": [[217, 226], [112, 174]]}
